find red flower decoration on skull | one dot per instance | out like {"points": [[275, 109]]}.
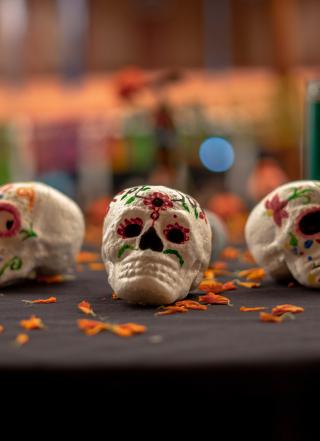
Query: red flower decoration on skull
{"points": [[276, 209], [157, 202]]}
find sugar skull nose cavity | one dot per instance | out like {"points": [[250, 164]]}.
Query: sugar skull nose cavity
{"points": [[150, 240], [309, 224]]}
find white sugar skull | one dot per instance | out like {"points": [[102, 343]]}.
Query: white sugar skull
{"points": [[156, 244], [283, 232], [41, 231]]}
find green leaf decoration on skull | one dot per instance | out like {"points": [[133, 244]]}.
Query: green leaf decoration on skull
{"points": [[123, 248], [176, 253], [14, 264], [293, 240], [301, 193], [28, 234], [130, 200]]}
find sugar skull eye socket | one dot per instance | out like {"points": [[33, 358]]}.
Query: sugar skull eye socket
{"points": [[130, 228], [309, 224], [176, 233], [9, 220]]}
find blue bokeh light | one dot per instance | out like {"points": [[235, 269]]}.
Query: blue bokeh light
{"points": [[216, 154]]}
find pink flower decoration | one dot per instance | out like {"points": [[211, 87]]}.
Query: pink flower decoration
{"points": [[277, 208]]}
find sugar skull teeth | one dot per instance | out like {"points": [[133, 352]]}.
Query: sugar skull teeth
{"points": [[283, 232], [41, 231], [156, 244]]}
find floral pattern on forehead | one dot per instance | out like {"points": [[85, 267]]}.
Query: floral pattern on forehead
{"points": [[159, 201], [276, 207]]}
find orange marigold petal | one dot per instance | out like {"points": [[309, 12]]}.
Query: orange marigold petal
{"points": [[248, 284], [252, 273], [214, 299], [191, 304], [86, 308], [128, 329], [21, 339], [219, 265], [208, 274], [92, 327], [282, 309], [32, 323], [228, 286], [57, 278], [1, 329], [87, 257], [42, 301], [267, 317], [171, 309], [252, 308], [230, 253], [115, 296], [96, 266]]}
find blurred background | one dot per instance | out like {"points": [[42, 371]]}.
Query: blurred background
{"points": [[206, 96]]}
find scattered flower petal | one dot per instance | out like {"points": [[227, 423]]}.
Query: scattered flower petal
{"points": [[42, 301], [219, 265], [252, 308], [208, 274], [87, 256], [86, 308], [216, 287], [57, 278], [96, 266], [1, 329], [115, 296], [267, 317], [33, 322], [191, 304], [214, 299], [248, 284], [230, 253], [21, 339], [172, 309], [228, 286], [282, 309], [252, 274], [93, 327], [128, 329]]}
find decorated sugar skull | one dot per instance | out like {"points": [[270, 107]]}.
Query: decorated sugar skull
{"points": [[156, 244], [283, 232], [41, 231]]}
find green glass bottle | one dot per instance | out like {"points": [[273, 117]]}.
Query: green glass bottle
{"points": [[311, 154]]}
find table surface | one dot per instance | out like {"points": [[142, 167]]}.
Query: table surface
{"points": [[249, 370], [217, 338]]}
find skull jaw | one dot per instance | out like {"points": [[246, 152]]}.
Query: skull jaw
{"points": [[148, 290], [14, 270], [305, 274]]}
